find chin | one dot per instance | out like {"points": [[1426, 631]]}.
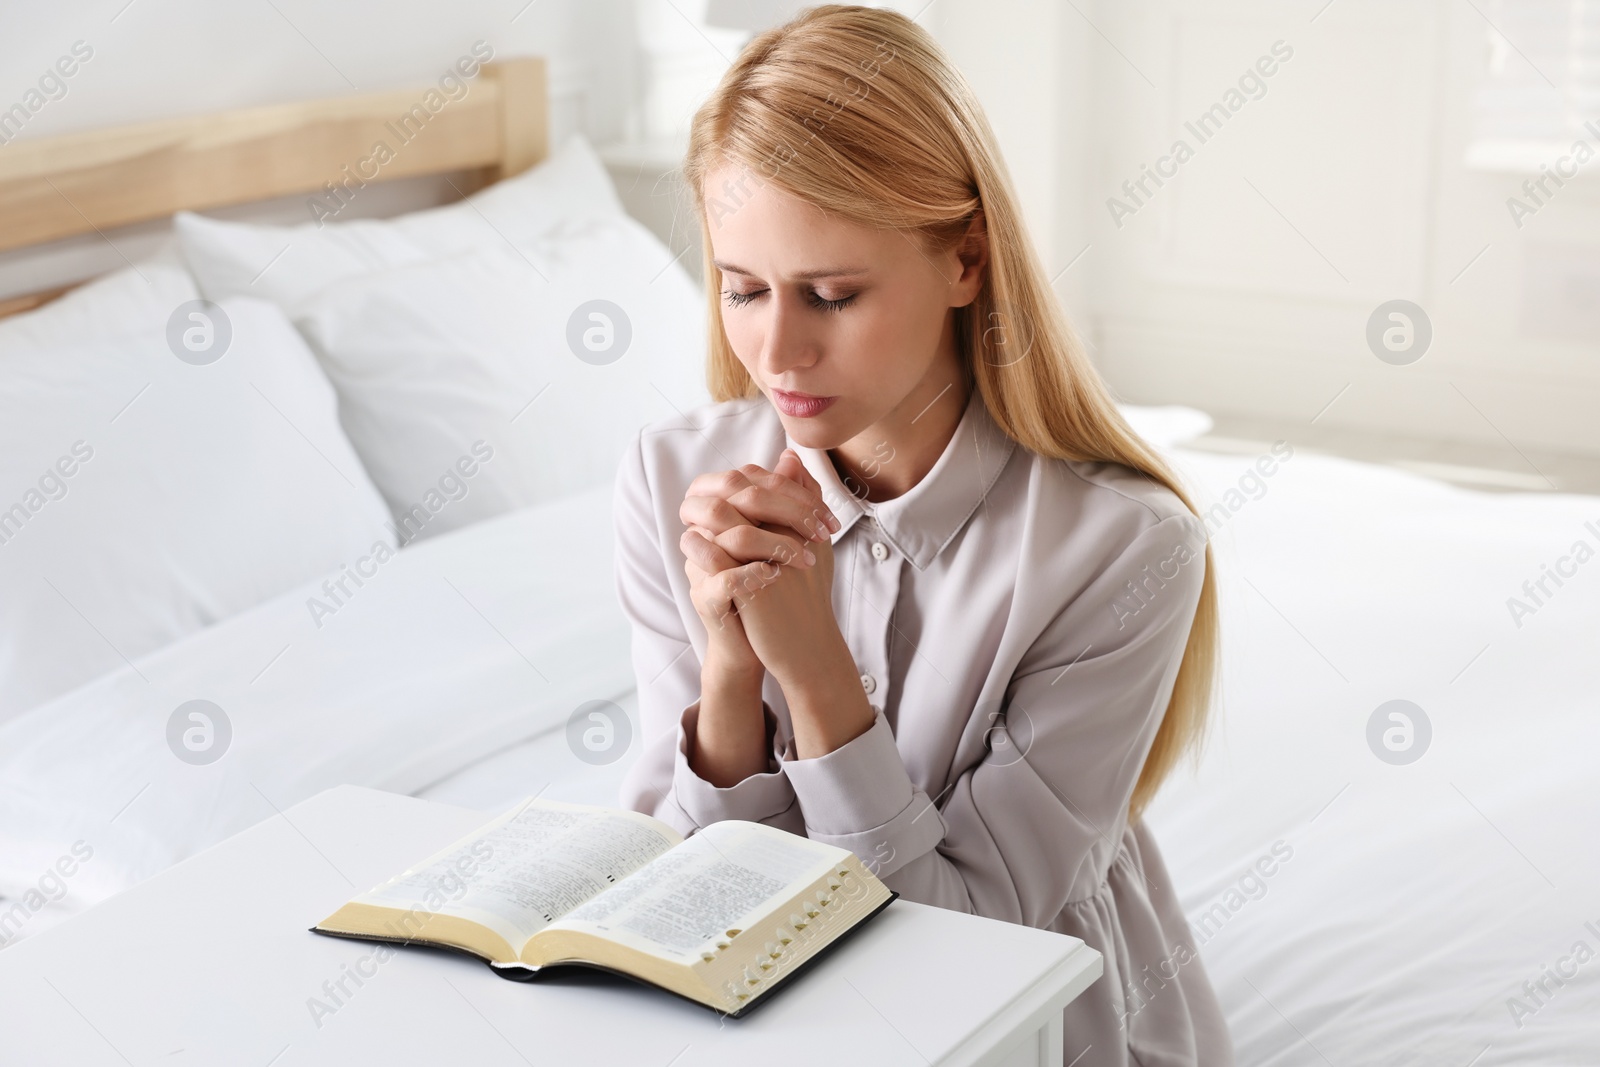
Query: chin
{"points": [[808, 434], [820, 432]]}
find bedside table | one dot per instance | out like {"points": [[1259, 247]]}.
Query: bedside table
{"points": [[211, 961]]}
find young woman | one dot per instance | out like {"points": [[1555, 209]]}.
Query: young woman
{"points": [[911, 585]]}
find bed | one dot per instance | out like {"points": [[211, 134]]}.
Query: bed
{"points": [[303, 561]]}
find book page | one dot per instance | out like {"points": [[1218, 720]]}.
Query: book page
{"points": [[723, 877], [529, 867]]}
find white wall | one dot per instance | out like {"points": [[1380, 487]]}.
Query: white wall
{"points": [[1025, 60], [1245, 283]]}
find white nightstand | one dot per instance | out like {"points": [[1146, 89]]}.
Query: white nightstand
{"points": [[211, 961]]}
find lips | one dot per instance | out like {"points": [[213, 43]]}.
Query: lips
{"points": [[801, 405]]}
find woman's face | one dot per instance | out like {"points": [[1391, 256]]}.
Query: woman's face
{"points": [[816, 305]]}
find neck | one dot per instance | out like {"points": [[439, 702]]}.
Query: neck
{"points": [[895, 453]]}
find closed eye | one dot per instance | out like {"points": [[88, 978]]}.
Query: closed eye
{"points": [[738, 299], [832, 305]]}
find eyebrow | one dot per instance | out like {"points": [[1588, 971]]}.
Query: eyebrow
{"points": [[804, 275]]}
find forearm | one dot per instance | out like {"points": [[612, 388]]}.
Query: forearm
{"points": [[731, 741]]}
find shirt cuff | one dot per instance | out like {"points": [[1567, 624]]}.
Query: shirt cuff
{"points": [[756, 798], [860, 797]]}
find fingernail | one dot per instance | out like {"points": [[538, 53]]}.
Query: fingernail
{"points": [[833, 523], [811, 557]]}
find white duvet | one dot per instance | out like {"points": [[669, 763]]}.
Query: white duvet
{"points": [[456, 648], [1419, 898], [1349, 910]]}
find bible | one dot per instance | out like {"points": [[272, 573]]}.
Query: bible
{"points": [[722, 917]]}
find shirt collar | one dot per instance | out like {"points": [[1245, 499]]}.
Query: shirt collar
{"points": [[921, 521]]}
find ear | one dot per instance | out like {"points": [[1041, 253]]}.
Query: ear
{"points": [[973, 255]]}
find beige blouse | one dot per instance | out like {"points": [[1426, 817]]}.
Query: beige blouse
{"points": [[1018, 622]]}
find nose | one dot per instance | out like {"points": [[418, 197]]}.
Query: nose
{"points": [[788, 342]]}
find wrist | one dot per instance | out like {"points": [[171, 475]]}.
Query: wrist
{"points": [[730, 740], [828, 707], [730, 675], [825, 665]]}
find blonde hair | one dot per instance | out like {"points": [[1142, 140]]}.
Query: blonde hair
{"points": [[858, 110]]}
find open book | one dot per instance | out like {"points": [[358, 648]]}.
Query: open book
{"points": [[722, 917]]}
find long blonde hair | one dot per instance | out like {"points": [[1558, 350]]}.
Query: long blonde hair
{"points": [[858, 111]]}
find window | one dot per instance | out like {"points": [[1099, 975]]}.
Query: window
{"points": [[1541, 84]]}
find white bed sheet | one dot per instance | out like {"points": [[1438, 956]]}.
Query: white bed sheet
{"points": [[543, 766]]}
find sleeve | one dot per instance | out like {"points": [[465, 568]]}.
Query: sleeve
{"points": [[666, 668], [1033, 824]]}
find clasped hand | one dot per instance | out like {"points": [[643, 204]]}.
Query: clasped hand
{"points": [[759, 559]]}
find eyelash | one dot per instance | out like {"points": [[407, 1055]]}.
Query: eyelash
{"points": [[740, 299]]}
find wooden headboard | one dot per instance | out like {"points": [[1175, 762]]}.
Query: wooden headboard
{"points": [[91, 182]]}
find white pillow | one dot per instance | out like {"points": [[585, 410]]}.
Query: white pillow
{"points": [[440, 327], [143, 497], [290, 264], [485, 355]]}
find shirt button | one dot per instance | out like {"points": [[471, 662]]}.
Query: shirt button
{"points": [[880, 552], [869, 683]]}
